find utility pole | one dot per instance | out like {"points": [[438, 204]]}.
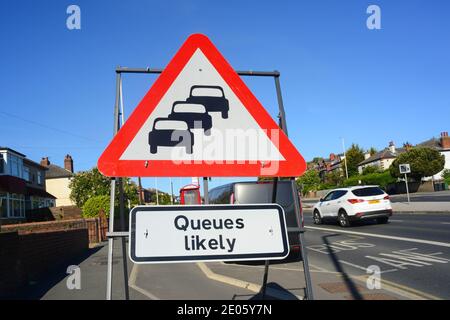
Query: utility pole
{"points": [[345, 158], [156, 189], [171, 191]]}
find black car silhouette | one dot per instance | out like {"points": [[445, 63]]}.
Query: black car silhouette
{"points": [[194, 115], [213, 103], [170, 133]]}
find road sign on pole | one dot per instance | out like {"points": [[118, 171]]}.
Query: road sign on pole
{"points": [[200, 119], [164, 234], [405, 169]]}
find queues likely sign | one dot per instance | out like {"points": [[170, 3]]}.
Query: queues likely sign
{"points": [[207, 233]]}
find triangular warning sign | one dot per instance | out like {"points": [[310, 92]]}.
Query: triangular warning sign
{"points": [[200, 119]]}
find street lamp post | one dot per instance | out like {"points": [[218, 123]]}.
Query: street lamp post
{"points": [[345, 158]]}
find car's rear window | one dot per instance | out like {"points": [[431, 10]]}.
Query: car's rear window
{"points": [[367, 192], [262, 193]]}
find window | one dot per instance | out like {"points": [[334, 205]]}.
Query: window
{"points": [[26, 173], [16, 206], [3, 205], [367, 192], [16, 166], [40, 178], [339, 193], [2, 164], [329, 196]]}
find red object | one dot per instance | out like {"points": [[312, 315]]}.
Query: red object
{"points": [[111, 165], [353, 201], [386, 198], [190, 194]]}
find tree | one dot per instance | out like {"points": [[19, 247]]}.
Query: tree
{"points": [[424, 162], [93, 206], [334, 177], [371, 169], [372, 151], [354, 156], [91, 183], [309, 181], [446, 176]]}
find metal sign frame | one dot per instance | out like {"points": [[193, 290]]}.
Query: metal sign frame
{"points": [[124, 234]]}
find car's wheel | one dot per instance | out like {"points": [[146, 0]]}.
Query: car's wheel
{"points": [[343, 219], [208, 132], [153, 148], [382, 220], [225, 114], [316, 217]]}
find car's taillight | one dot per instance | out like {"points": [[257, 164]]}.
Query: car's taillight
{"points": [[353, 201], [386, 198]]}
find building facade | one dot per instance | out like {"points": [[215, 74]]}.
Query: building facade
{"points": [[58, 180], [22, 186]]}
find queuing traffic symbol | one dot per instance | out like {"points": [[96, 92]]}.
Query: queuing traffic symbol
{"points": [[200, 119], [162, 234]]}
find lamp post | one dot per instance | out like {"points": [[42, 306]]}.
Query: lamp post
{"points": [[345, 158]]}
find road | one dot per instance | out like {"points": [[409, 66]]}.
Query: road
{"points": [[412, 250]]}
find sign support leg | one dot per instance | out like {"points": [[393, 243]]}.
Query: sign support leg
{"points": [[112, 197], [283, 125], [407, 188], [267, 262], [124, 244]]}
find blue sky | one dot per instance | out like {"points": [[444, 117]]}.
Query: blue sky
{"points": [[339, 79]]}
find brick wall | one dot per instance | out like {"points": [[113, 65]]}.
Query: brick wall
{"points": [[26, 257], [96, 227]]}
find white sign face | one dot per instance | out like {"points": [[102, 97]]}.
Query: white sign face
{"points": [[218, 133], [164, 234], [404, 168]]}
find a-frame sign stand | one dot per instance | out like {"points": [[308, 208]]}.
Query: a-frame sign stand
{"points": [[124, 234]]}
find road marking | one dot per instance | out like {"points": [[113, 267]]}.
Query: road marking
{"points": [[375, 235], [363, 268], [243, 284], [132, 284], [395, 220]]}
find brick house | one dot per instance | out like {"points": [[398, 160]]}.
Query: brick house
{"points": [[22, 186]]}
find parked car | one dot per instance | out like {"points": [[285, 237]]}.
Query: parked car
{"points": [[170, 133], [214, 101], [261, 192], [347, 205], [194, 115]]}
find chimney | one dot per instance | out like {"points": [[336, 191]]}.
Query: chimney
{"points": [[366, 155], [332, 156], [45, 162], [392, 146], [68, 163], [445, 140]]}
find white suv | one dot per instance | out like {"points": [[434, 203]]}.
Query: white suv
{"points": [[354, 203]]}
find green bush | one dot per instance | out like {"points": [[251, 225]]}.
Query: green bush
{"points": [[93, 206], [446, 176], [382, 179]]}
